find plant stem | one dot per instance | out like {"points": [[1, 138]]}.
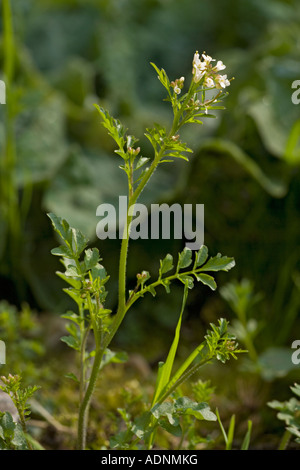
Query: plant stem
{"points": [[84, 406], [82, 363], [285, 440]]}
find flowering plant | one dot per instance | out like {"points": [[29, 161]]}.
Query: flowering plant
{"points": [[87, 278]]}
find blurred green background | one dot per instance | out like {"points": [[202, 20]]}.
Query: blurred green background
{"points": [[58, 58]]}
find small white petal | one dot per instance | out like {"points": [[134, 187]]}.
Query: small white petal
{"points": [[220, 66], [207, 59], [198, 74], [223, 82], [209, 83]]}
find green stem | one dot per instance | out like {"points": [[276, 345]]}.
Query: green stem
{"points": [[155, 284], [122, 306], [285, 440], [84, 406], [82, 363]]}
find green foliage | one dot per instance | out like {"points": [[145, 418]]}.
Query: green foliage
{"points": [[86, 278], [167, 411], [19, 395], [288, 411], [9, 431], [11, 436], [229, 436], [21, 331], [200, 266]]}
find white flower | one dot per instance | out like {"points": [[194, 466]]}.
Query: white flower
{"points": [[219, 66], [209, 83], [222, 81], [196, 61], [199, 68], [198, 74], [207, 59], [177, 90]]}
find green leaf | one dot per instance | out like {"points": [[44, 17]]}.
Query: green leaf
{"points": [[72, 271], [185, 405], [91, 258], [166, 265], [8, 425], [222, 427], [163, 77], [207, 280], [175, 430], [230, 433], [71, 342], [115, 129], [187, 280], [166, 368], [218, 263], [99, 271], [246, 441], [62, 227], [152, 290], [166, 284], [296, 389], [141, 162], [113, 357], [76, 296], [73, 282], [72, 329], [201, 256], [62, 250], [166, 409], [19, 440], [141, 425], [184, 259], [74, 239], [79, 241], [73, 317], [72, 377]]}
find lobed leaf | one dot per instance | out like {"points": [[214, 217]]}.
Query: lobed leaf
{"points": [[218, 263], [166, 265], [91, 258], [184, 259]]}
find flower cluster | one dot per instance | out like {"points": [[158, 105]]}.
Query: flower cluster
{"points": [[204, 69], [177, 85]]}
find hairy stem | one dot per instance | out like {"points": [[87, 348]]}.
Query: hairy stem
{"points": [[84, 406]]}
